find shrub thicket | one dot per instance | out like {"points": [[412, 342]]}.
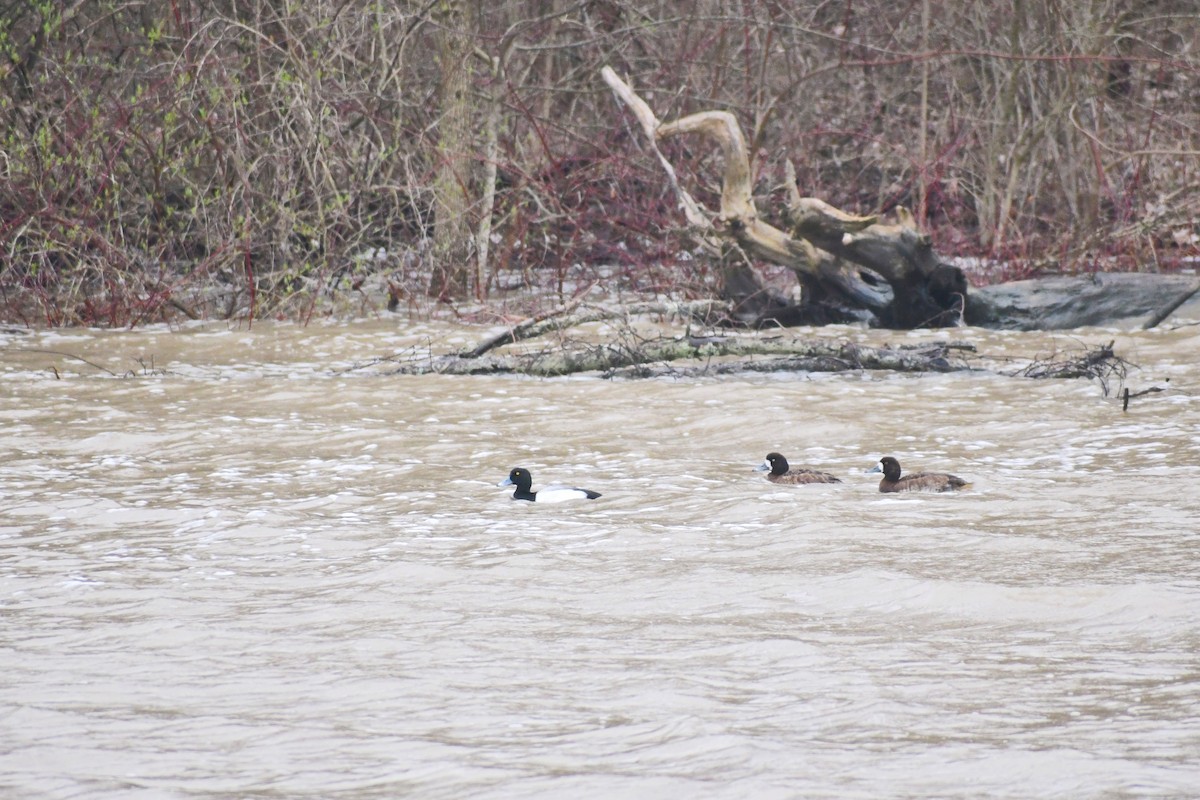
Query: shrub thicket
{"points": [[245, 157]]}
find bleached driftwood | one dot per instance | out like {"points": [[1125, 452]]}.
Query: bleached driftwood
{"points": [[848, 266]]}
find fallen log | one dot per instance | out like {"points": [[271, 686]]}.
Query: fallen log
{"points": [[631, 353], [818, 356], [1071, 301]]}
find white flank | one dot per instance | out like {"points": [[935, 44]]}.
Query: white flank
{"points": [[559, 494]]}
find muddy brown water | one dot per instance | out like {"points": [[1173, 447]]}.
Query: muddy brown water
{"points": [[247, 563]]}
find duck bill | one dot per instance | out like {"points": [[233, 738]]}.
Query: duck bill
{"points": [[506, 482]]}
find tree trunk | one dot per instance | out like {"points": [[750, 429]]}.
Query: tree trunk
{"points": [[452, 181]]}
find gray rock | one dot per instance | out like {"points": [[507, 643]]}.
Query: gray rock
{"points": [[1074, 301]]}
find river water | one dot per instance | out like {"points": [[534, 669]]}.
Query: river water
{"points": [[253, 563]]}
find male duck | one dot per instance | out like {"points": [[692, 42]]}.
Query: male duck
{"points": [[521, 479], [916, 481], [776, 467]]}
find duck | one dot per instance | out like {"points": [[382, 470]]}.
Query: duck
{"points": [[778, 471], [523, 480], [915, 481]]}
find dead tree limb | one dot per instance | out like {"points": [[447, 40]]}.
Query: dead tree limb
{"points": [[650, 125], [566, 316], [843, 262], [524, 330]]}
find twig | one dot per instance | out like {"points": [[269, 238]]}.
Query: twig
{"points": [[66, 355], [1127, 396]]}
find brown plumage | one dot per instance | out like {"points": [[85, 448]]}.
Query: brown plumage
{"points": [[916, 481], [778, 471]]}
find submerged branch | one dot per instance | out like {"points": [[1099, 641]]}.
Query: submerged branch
{"points": [[65, 355], [1099, 362]]}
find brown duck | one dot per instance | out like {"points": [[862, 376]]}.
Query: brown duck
{"points": [[778, 471], [916, 481]]}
